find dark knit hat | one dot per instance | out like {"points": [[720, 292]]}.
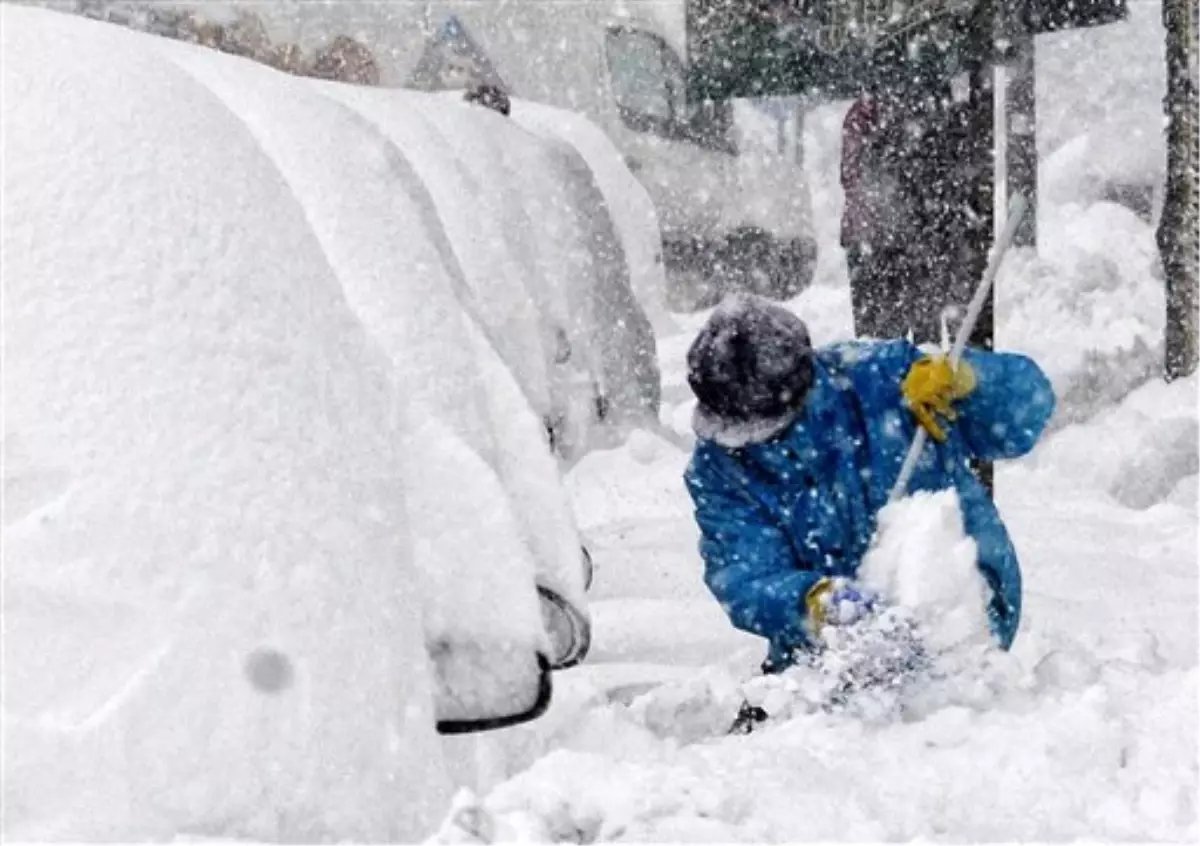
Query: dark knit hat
{"points": [[750, 368]]}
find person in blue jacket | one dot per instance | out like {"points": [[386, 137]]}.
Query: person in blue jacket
{"points": [[798, 449]]}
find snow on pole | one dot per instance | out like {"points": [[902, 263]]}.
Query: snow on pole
{"points": [[1016, 211], [1176, 231], [1020, 160]]}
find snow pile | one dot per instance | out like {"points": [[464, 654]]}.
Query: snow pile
{"points": [[1140, 453], [1043, 762], [930, 623], [923, 561], [1090, 309]]}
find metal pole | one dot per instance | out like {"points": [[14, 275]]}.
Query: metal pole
{"points": [[1178, 241], [980, 47], [1021, 162], [981, 131], [1018, 208]]}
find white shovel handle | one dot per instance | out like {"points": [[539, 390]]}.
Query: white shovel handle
{"points": [[1016, 211]]}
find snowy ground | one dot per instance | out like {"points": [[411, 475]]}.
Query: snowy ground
{"points": [[1086, 730]]}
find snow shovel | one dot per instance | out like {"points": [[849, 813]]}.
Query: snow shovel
{"points": [[1016, 211]]}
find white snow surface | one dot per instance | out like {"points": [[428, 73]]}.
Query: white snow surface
{"points": [[924, 562], [274, 380], [1085, 730]]}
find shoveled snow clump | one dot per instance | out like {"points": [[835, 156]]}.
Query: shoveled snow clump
{"points": [[925, 563], [930, 624]]}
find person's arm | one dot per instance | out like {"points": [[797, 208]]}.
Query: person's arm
{"points": [[1009, 407], [1001, 401], [749, 563]]}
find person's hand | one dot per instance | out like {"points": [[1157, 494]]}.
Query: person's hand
{"points": [[837, 601], [931, 387]]}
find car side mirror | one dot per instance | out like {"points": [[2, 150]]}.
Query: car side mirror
{"points": [[468, 686], [569, 631], [470, 681]]}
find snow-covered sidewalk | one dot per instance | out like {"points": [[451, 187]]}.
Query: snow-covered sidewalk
{"points": [[1086, 730]]}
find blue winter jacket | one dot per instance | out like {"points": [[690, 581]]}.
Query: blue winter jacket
{"points": [[777, 516]]}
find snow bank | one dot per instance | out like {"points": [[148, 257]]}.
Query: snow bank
{"points": [[1100, 111], [1048, 764], [1090, 308], [1140, 452]]}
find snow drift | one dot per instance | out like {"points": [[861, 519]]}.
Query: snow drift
{"points": [[1089, 307]]}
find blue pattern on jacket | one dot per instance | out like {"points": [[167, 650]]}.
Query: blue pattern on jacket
{"points": [[777, 516]]}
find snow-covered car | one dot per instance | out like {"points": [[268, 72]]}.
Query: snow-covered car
{"points": [[278, 502]]}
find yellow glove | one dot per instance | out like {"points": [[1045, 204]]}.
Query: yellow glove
{"points": [[816, 602], [931, 386], [836, 600]]}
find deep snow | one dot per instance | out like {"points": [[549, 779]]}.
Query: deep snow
{"points": [[1086, 730]]}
